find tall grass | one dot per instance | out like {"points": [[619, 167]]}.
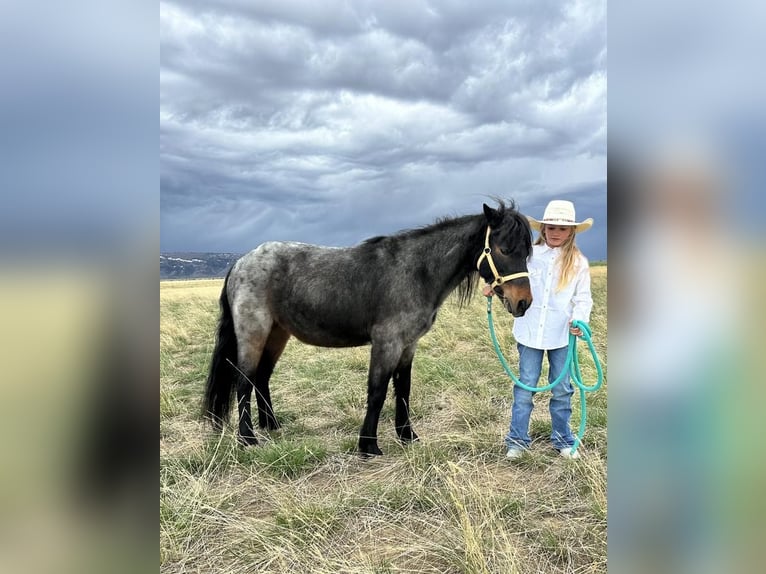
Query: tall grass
{"points": [[302, 501]]}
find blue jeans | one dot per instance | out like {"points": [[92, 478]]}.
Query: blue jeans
{"points": [[530, 367]]}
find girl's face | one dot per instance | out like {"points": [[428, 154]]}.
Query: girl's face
{"points": [[556, 235]]}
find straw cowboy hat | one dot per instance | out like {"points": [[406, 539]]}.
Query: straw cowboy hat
{"points": [[560, 212]]}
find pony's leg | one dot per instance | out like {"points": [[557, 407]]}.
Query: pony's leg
{"points": [[249, 350], [275, 344], [244, 391], [402, 381], [383, 360]]}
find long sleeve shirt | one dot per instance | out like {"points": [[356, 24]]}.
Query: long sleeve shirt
{"points": [[545, 325]]}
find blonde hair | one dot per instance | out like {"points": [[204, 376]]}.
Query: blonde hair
{"points": [[568, 258]]}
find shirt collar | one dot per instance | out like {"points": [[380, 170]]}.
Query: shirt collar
{"points": [[545, 249]]}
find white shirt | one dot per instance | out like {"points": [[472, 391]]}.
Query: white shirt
{"points": [[545, 325]]}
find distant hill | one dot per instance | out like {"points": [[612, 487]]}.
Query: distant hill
{"points": [[188, 265], [185, 265]]}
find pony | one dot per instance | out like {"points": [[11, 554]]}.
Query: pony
{"points": [[385, 292]]}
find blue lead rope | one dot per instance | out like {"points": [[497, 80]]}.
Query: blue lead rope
{"points": [[573, 364]]}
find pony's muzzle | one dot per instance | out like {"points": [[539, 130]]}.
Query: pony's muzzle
{"points": [[516, 298], [521, 307]]}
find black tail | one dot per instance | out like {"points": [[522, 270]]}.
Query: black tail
{"points": [[221, 381]]}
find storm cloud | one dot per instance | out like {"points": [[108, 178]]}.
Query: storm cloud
{"points": [[332, 122]]}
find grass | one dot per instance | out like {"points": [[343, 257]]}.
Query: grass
{"points": [[303, 501]]}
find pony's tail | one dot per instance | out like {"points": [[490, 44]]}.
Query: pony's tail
{"points": [[221, 380]]}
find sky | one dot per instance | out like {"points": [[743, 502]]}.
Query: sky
{"points": [[331, 122]]}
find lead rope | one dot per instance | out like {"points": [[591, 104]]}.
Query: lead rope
{"points": [[572, 363]]}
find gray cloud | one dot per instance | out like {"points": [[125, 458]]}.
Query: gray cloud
{"points": [[330, 122]]}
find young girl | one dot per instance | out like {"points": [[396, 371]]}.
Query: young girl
{"points": [[559, 276]]}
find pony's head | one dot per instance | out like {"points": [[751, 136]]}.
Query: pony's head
{"points": [[503, 261]]}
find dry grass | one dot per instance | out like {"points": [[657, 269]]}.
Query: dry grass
{"points": [[304, 502]]}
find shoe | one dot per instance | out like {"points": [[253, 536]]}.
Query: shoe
{"points": [[514, 452], [567, 453]]}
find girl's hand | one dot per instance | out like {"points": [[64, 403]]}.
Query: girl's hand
{"points": [[487, 290], [576, 331]]}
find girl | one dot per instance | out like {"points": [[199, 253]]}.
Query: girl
{"points": [[559, 276]]}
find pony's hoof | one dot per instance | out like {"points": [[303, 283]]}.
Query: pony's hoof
{"points": [[247, 440], [408, 436], [270, 425], [367, 450]]}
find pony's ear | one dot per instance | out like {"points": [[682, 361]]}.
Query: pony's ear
{"points": [[492, 215]]}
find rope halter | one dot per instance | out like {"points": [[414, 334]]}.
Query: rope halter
{"points": [[487, 254]]}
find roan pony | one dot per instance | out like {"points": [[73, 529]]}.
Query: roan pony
{"points": [[384, 291]]}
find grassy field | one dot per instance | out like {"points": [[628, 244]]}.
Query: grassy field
{"points": [[302, 501]]}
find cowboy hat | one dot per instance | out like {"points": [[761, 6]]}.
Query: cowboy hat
{"points": [[560, 212]]}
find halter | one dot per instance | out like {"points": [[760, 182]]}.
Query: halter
{"points": [[487, 254]]}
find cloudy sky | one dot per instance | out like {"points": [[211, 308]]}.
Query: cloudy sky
{"points": [[330, 122]]}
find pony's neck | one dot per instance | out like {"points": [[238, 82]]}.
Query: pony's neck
{"points": [[450, 255]]}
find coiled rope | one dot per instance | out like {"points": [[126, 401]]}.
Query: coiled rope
{"points": [[572, 364]]}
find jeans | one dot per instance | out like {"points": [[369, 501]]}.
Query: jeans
{"points": [[530, 367]]}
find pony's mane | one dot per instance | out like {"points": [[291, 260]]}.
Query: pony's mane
{"points": [[467, 287], [441, 223]]}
